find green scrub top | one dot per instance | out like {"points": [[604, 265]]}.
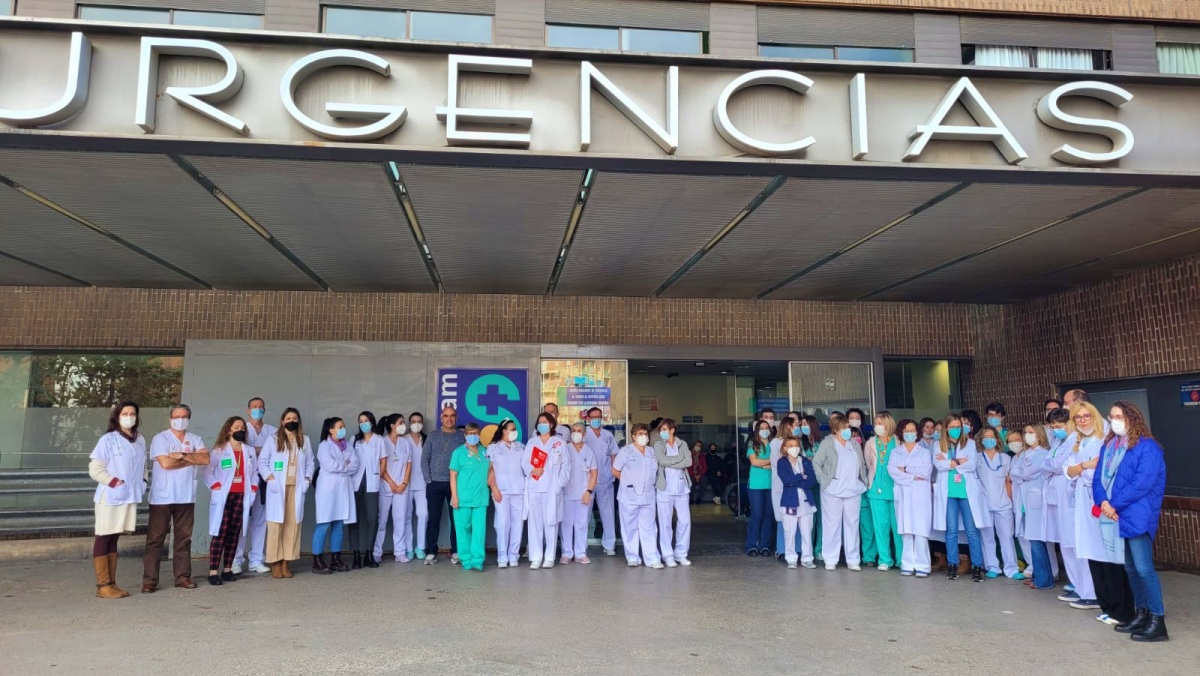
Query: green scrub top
{"points": [[760, 477], [472, 476], [958, 489], [883, 487]]}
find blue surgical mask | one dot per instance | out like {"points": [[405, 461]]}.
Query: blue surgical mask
{"points": [[472, 439], [994, 421], [955, 432], [365, 427], [989, 443], [595, 423], [937, 435], [910, 437], [764, 433], [543, 428], [805, 430], [664, 434], [340, 433], [966, 428], [846, 433], [257, 413], [1060, 433]]}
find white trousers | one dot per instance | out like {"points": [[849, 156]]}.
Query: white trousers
{"points": [[1002, 527], [1079, 573], [542, 535], [397, 507], [915, 554], [637, 533], [257, 533], [805, 523], [509, 520], [605, 496], [418, 507], [680, 505], [839, 525], [573, 530]]}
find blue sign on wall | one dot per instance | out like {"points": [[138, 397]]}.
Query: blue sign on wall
{"points": [[485, 396], [589, 396]]}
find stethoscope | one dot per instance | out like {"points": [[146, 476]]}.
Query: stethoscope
{"points": [[999, 463]]}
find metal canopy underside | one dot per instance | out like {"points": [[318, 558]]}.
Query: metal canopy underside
{"points": [[149, 219]]}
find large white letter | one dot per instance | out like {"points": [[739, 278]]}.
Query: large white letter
{"points": [[748, 144], [386, 118], [75, 94], [990, 129], [858, 116], [453, 114], [191, 97], [1121, 136], [590, 76]]}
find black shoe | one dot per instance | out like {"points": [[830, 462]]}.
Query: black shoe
{"points": [[977, 573], [764, 552], [952, 573], [1140, 620], [780, 558], [1155, 631], [753, 553], [369, 561], [337, 565], [320, 567], [228, 576], [357, 561], [214, 580]]}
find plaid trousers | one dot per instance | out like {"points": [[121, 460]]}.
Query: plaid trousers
{"points": [[223, 546]]}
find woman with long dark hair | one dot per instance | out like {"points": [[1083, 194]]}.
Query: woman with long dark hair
{"points": [[395, 473], [286, 464], [370, 449], [335, 504], [758, 489], [118, 465], [232, 479]]}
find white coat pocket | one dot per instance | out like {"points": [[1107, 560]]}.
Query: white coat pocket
{"points": [[273, 486], [118, 495]]}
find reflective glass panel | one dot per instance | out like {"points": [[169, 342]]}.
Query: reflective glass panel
{"points": [[451, 27], [577, 385], [583, 37], [795, 52], [6, 7], [371, 23], [875, 54], [218, 19], [670, 42], [125, 14]]}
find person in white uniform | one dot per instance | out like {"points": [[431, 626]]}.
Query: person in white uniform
{"points": [[395, 474], [958, 496], [370, 449], [232, 480], [673, 487], [546, 465], [174, 455], [788, 427], [1028, 446], [1085, 438], [251, 546], [604, 449], [636, 471], [910, 465], [506, 453], [577, 497], [287, 465], [335, 504], [797, 502], [1055, 486], [843, 477], [118, 466], [419, 503], [993, 472]]}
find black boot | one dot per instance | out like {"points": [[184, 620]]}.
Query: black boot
{"points": [[337, 565], [369, 560], [1140, 620], [1156, 630], [357, 560], [977, 573], [319, 565]]}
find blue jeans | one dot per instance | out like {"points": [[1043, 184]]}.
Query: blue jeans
{"points": [[334, 530], [762, 521], [955, 507], [1043, 576], [1139, 565]]}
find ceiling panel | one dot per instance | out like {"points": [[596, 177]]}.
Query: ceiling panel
{"points": [[803, 222], [1140, 219], [980, 216], [16, 273], [492, 230], [41, 235], [148, 201], [341, 218], [639, 229]]}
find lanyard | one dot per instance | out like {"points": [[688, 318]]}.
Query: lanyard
{"points": [[999, 463]]}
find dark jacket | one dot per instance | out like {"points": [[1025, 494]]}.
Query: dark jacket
{"points": [[1137, 490], [794, 483]]}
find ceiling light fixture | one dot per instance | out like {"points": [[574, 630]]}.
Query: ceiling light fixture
{"points": [[581, 198], [414, 224]]}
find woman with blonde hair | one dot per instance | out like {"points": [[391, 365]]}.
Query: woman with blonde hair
{"points": [[286, 465], [1085, 438], [959, 496], [843, 478], [1029, 504], [881, 491]]}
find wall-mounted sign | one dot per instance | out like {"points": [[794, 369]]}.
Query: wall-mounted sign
{"points": [[587, 397], [1189, 393], [693, 420], [485, 396], [648, 403]]}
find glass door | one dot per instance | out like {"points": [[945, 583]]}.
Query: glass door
{"points": [[821, 388]]}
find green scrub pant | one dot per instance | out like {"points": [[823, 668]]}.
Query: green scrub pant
{"points": [[470, 525], [883, 518], [817, 528], [866, 532]]}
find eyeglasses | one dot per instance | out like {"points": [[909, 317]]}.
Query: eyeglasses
{"points": [[1082, 417]]}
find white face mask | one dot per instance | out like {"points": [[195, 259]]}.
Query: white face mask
{"points": [[179, 424], [1031, 439], [128, 421], [511, 435], [417, 427], [641, 440], [793, 451], [855, 423], [1119, 427], [1016, 446], [401, 429], [577, 437], [1087, 431]]}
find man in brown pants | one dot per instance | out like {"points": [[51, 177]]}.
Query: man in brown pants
{"points": [[175, 454]]}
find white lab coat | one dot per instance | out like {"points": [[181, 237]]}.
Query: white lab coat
{"points": [[277, 489], [124, 460], [215, 474], [1054, 490], [369, 454], [553, 479], [1029, 506], [914, 498], [1088, 543], [335, 483], [975, 497]]}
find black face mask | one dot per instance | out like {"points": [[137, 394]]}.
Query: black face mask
{"points": [[291, 426], [239, 436]]}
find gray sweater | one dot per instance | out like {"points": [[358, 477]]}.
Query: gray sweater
{"points": [[439, 446], [826, 461], [681, 461]]}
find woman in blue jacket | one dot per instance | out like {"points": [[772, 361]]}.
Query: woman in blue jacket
{"points": [[797, 505], [1128, 491]]}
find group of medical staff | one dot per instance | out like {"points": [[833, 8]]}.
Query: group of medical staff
{"points": [[901, 495]]}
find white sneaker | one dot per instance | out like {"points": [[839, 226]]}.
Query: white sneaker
{"points": [[684, 562], [610, 552], [883, 568], [454, 559], [831, 568], [809, 565], [429, 559], [237, 568], [791, 566], [671, 563], [657, 565], [548, 564], [633, 564], [260, 568], [856, 568], [716, 501], [535, 565], [502, 564]]}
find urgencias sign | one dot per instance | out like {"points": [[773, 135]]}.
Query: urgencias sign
{"points": [[511, 127]]}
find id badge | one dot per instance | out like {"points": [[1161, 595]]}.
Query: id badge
{"points": [[958, 478], [237, 479], [226, 463], [279, 465]]}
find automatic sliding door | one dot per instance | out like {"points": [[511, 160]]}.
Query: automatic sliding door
{"points": [[820, 388]]}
